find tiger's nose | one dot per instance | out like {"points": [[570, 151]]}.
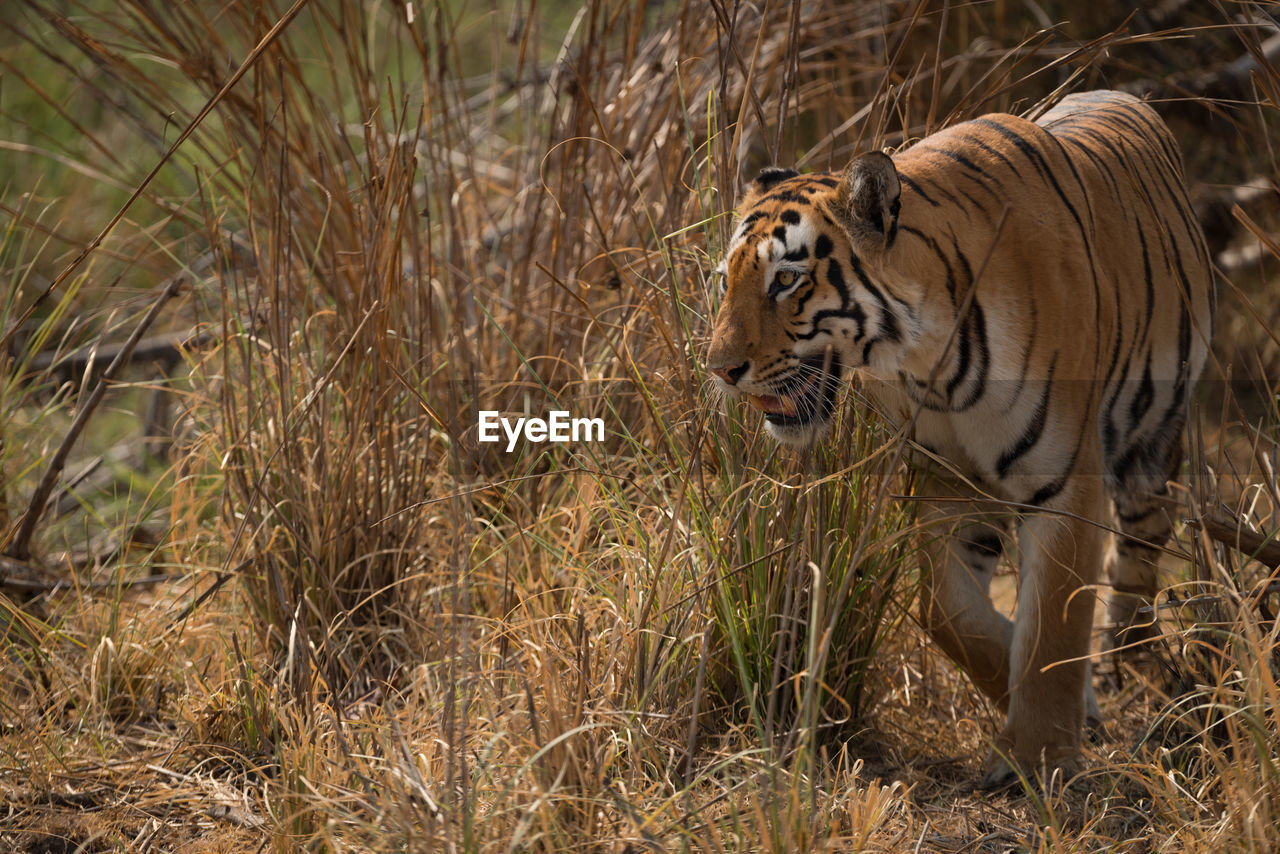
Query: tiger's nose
{"points": [[730, 373]]}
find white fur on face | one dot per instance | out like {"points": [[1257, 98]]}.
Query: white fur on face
{"points": [[801, 234], [771, 249]]}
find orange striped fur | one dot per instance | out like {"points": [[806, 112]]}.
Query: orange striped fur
{"points": [[1039, 296]]}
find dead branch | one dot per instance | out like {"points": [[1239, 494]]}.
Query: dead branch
{"points": [[28, 587], [20, 548], [167, 349], [1242, 259], [1264, 548], [1228, 83], [1257, 197]]}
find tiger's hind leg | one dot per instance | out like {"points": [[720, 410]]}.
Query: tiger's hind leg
{"points": [[1144, 509]]}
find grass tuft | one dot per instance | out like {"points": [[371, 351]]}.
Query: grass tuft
{"points": [[279, 595]]}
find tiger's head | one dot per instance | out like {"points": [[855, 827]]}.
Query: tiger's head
{"points": [[807, 293]]}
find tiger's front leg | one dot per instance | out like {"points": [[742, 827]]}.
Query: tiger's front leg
{"points": [[963, 539], [1048, 668]]}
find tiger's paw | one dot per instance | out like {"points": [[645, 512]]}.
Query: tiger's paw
{"points": [[999, 776], [1002, 775]]}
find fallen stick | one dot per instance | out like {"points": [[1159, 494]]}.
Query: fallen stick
{"points": [[20, 548], [34, 587], [1264, 548], [166, 348]]}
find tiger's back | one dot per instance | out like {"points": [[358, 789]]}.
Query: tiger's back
{"points": [[1148, 232]]}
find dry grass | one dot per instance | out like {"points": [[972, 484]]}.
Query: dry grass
{"points": [[312, 611]]}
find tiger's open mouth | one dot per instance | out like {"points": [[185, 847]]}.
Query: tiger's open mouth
{"points": [[809, 396]]}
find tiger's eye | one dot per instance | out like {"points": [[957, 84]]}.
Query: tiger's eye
{"points": [[786, 278]]}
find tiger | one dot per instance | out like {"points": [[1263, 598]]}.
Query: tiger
{"points": [[1034, 300]]}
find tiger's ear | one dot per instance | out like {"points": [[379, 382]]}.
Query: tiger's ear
{"points": [[869, 198], [769, 177]]}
